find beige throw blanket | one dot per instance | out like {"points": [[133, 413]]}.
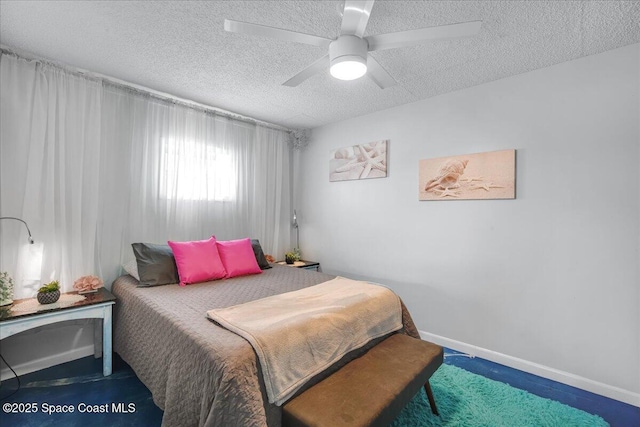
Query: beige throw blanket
{"points": [[299, 334]]}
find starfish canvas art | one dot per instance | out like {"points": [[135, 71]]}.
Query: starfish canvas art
{"points": [[361, 161], [471, 177]]}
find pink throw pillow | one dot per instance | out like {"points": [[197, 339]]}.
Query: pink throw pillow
{"points": [[238, 257], [197, 261]]}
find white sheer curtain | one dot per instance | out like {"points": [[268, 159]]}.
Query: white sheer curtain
{"points": [[93, 167]]}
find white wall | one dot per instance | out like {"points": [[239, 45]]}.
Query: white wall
{"points": [[551, 277]]}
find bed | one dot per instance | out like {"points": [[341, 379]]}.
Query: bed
{"points": [[199, 373]]}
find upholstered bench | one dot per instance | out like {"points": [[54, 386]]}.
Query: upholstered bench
{"points": [[370, 390]]}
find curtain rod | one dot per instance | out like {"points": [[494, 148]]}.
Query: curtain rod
{"points": [[141, 90]]}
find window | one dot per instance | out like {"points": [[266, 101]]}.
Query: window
{"points": [[197, 171]]}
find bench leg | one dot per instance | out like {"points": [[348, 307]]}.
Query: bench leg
{"points": [[432, 402]]}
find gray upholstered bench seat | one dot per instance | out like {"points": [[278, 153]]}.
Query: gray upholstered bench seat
{"points": [[370, 390]]}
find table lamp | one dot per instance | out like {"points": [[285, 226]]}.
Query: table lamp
{"points": [[295, 225]]}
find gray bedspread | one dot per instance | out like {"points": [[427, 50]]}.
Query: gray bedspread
{"points": [[199, 373]]}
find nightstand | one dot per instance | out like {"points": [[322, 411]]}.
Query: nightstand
{"points": [[307, 265]]}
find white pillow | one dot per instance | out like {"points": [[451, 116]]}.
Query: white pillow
{"points": [[131, 267]]}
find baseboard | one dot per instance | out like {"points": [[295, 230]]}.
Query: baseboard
{"points": [[602, 389], [47, 362], [510, 361]]}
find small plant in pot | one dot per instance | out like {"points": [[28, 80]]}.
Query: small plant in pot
{"points": [[6, 289], [289, 257], [49, 293]]}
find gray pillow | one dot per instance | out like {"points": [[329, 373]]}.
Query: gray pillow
{"points": [[156, 264], [131, 268], [257, 251]]}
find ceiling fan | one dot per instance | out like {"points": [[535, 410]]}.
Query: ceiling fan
{"points": [[348, 57]]}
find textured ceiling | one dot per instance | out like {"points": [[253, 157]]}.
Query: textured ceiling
{"points": [[181, 48]]}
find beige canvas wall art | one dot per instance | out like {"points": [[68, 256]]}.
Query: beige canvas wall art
{"points": [[471, 177], [361, 161]]}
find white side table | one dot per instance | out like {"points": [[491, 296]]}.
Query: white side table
{"points": [[95, 306]]}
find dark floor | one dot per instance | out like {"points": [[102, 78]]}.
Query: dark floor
{"points": [[76, 382], [81, 381]]}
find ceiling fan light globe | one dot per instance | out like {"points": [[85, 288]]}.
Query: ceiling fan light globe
{"points": [[348, 68], [348, 57]]}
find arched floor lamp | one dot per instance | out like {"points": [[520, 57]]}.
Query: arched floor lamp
{"points": [[6, 288]]}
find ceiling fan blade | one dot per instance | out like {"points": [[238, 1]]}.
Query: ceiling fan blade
{"points": [[412, 37], [276, 33], [317, 67], [355, 17], [378, 74]]}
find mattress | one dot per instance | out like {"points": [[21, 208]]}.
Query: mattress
{"points": [[199, 373]]}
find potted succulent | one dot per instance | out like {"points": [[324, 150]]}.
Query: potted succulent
{"points": [[49, 293], [289, 257], [6, 289]]}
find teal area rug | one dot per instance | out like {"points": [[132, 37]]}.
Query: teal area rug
{"points": [[468, 400]]}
